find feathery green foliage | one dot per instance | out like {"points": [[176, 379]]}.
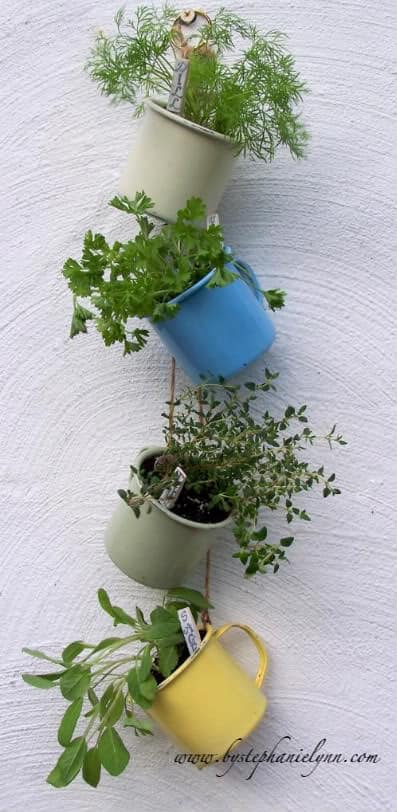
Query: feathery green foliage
{"points": [[138, 278], [241, 459], [241, 83]]}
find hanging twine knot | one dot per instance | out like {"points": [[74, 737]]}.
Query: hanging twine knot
{"points": [[182, 42]]}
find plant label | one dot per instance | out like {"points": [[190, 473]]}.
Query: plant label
{"points": [[213, 219], [170, 495], [178, 87], [189, 629]]}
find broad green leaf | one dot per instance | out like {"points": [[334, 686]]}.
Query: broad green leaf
{"points": [[141, 725], [69, 763], [104, 602], [148, 688], [40, 655], [112, 751], [191, 596], [118, 614], [160, 630], [55, 778], [134, 689], [145, 664], [160, 615], [168, 660], [108, 642], [92, 767], [38, 681], [75, 682], [92, 697], [69, 722], [106, 699], [73, 650], [114, 710]]}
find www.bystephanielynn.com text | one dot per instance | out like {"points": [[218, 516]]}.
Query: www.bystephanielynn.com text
{"points": [[278, 755]]}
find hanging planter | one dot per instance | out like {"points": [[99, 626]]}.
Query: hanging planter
{"points": [[158, 548], [181, 676], [207, 307], [218, 331], [175, 159], [225, 459], [210, 703], [235, 100]]}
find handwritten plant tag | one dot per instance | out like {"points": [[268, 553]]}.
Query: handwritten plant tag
{"points": [[170, 495], [178, 87], [213, 219], [189, 629]]}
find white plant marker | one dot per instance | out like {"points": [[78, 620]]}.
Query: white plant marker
{"points": [[169, 496], [213, 219], [176, 98], [189, 629], [182, 49]]}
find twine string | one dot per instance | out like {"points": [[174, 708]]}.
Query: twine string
{"points": [[205, 618]]}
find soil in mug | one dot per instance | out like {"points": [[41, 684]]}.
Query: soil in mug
{"points": [[184, 655], [189, 505]]}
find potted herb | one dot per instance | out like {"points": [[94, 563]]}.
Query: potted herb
{"points": [[238, 100], [237, 460], [205, 700], [206, 305]]}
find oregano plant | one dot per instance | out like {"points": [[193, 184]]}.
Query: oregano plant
{"points": [[242, 83], [239, 460], [113, 284], [107, 684]]}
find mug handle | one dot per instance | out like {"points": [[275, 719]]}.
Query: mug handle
{"points": [[249, 276], [262, 668]]}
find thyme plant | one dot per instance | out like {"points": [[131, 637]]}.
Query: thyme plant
{"points": [[105, 682], [240, 459], [241, 83], [138, 278]]}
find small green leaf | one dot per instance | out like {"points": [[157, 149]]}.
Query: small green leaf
{"points": [[40, 655], [114, 710], [168, 660], [191, 596], [106, 699], [92, 767], [141, 725], [107, 643], [75, 682], [92, 697], [55, 778], [73, 650], [104, 602], [112, 751], [69, 763], [260, 535], [145, 664], [69, 722], [286, 542], [158, 631], [42, 681], [148, 688]]}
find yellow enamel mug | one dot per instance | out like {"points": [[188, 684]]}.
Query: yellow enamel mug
{"points": [[209, 702]]}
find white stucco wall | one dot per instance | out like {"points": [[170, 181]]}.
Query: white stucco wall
{"points": [[74, 413]]}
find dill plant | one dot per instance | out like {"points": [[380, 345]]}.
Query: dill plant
{"points": [[242, 83]]}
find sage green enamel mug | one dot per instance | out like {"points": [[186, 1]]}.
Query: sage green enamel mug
{"points": [[158, 549]]}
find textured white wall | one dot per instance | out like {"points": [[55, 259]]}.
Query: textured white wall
{"points": [[73, 413]]}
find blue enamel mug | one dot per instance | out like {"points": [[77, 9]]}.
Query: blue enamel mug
{"points": [[217, 332]]}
